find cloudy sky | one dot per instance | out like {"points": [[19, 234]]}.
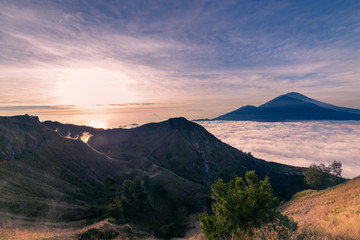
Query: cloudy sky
{"points": [[123, 62]]}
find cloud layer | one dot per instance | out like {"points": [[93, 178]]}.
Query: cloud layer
{"points": [[295, 143]]}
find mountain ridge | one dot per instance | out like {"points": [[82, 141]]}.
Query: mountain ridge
{"points": [[181, 146], [320, 104], [291, 107]]}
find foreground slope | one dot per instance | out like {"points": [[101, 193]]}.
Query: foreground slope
{"points": [[291, 107], [333, 212]]}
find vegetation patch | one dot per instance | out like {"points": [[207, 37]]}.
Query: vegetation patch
{"points": [[242, 209], [330, 214], [106, 231]]}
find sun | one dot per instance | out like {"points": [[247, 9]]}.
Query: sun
{"points": [[97, 123]]}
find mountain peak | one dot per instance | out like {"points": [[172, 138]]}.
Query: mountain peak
{"points": [[21, 120], [300, 96], [178, 119], [293, 94], [184, 125], [292, 106]]}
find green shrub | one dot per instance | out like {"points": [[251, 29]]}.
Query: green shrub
{"points": [[130, 201], [241, 208]]}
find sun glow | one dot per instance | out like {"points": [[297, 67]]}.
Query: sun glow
{"points": [[93, 86], [97, 123]]}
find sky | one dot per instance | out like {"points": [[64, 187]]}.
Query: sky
{"points": [[295, 143], [112, 63]]}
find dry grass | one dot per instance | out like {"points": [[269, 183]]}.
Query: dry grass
{"points": [[35, 234], [106, 228], [123, 232], [194, 232], [332, 213], [19, 227]]}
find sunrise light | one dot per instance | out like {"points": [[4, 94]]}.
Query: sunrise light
{"points": [[97, 123], [132, 109]]}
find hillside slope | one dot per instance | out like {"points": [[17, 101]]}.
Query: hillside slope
{"points": [[45, 175], [334, 212], [291, 107], [186, 149], [48, 173]]}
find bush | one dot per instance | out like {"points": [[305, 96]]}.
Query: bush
{"points": [[130, 201], [102, 233], [242, 208]]}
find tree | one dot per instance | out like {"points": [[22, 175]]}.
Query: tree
{"points": [[336, 168], [240, 208], [316, 178], [323, 168], [319, 177]]}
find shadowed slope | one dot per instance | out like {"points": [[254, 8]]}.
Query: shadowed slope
{"points": [[186, 149], [45, 175], [321, 104]]}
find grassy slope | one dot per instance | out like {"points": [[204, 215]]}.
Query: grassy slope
{"points": [[333, 212], [44, 175]]}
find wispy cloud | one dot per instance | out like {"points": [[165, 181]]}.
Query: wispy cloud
{"points": [[130, 104], [185, 52], [295, 143], [20, 108]]}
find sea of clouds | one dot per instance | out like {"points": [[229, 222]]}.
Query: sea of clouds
{"points": [[295, 143]]}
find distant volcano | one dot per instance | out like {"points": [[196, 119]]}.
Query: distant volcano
{"points": [[291, 107]]}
